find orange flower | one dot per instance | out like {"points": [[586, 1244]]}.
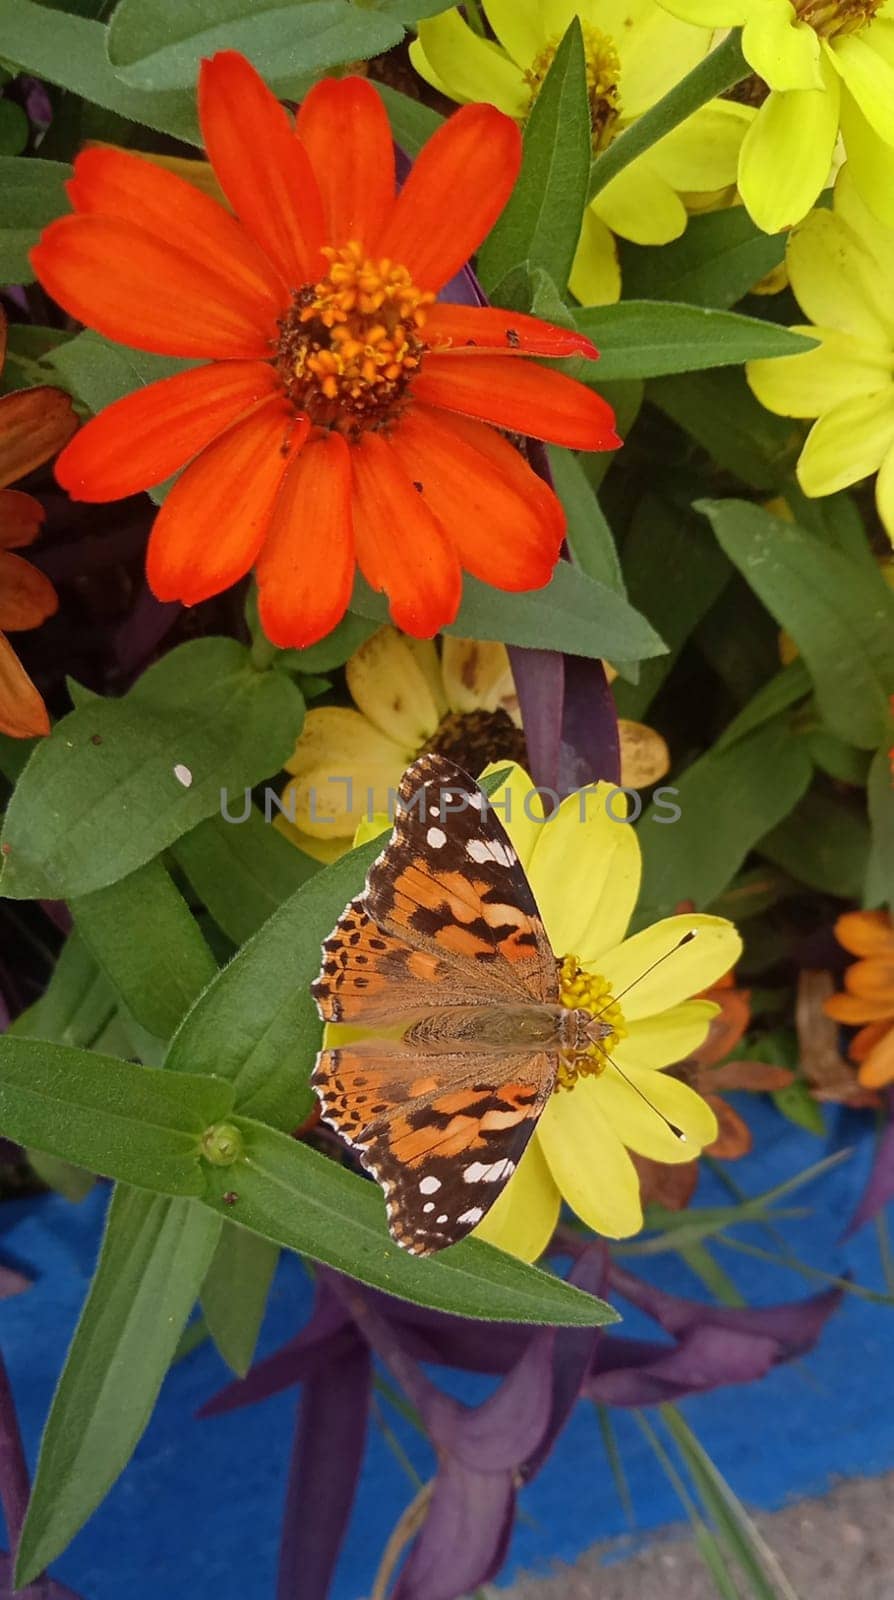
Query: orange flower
{"points": [[869, 994], [342, 414], [34, 423]]}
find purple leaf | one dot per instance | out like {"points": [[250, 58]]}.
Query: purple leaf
{"points": [[466, 1534], [573, 1352], [540, 683], [330, 1438], [326, 1335], [591, 747], [880, 1188], [794, 1326], [633, 1373]]}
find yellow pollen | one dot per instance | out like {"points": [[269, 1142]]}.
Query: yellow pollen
{"points": [[603, 81], [833, 19], [350, 343], [588, 991]]}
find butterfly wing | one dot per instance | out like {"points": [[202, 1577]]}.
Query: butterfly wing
{"points": [[441, 1133]]}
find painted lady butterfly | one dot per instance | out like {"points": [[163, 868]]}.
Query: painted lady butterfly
{"points": [[444, 952]]}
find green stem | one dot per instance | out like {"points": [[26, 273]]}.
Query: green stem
{"points": [[263, 653], [721, 70]]}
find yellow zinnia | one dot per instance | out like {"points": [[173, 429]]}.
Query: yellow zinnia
{"points": [[839, 264], [585, 875], [829, 65], [410, 697], [635, 53]]}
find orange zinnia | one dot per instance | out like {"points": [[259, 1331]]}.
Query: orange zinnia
{"points": [[869, 997], [343, 412], [33, 425]]}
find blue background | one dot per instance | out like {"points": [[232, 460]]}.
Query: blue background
{"points": [[198, 1509]]}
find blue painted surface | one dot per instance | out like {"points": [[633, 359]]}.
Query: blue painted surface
{"points": [[197, 1512]]}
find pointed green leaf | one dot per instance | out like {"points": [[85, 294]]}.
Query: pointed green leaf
{"points": [[243, 871], [32, 193], [650, 338], [234, 1293], [718, 259]]}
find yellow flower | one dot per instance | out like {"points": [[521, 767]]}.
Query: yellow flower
{"points": [[829, 65], [635, 54], [585, 875], [409, 697], [839, 264]]}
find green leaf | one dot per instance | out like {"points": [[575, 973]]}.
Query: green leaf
{"points": [[838, 759], [839, 612], [234, 1294], [145, 940], [257, 1024], [77, 1003], [590, 619], [154, 1256], [824, 843], [412, 123], [72, 1182], [32, 193], [786, 689], [98, 372], [334, 650], [14, 128], [651, 338], [540, 225], [158, 44], [110, 1116], [292, 1195], [27, 345], [728, 800], [589, 535], [119, 780], [880, 795], [718, 259], [674, 574], [797, 1104], [721, 70], [243, 871], [722, 415]]}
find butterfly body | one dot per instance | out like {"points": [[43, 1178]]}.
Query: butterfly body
{"points": [[443, 973]]}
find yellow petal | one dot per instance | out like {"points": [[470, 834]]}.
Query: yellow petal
{"points": [[660, 1041], [472, 68], [884, 494], [595, 275], [782, 50], [644, 755], [656, 51], [709, 13], [329, 802], [639, 205], [805, 386], [389, 687], [847, 444], [703, 152], [340, 738], [684, 970], [372, 827], [870, 162], [835, 280], [522, 1220], [787, 155], [588, 1161], [477, 675], [520, 26], [325, 850], [585, 873], [640, 1121], [870, 79], [520, 810], [421, 64], [425, 655]]}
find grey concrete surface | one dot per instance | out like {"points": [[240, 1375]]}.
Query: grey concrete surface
{"points": [[838, 1548]]}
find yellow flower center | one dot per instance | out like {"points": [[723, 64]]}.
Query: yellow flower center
{"points": [[832, 19], [588, 991], [603, 81], [349, 344]]}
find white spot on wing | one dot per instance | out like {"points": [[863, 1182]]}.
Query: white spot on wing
{"points": [[429, 1185], [482, 850], [429, 1206], [493, 1172], [442, 1218], [436, 837], [473, 1215]]}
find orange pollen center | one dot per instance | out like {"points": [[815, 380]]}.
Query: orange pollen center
{"points": [[350, 343], [588, 991], [833, 19]]}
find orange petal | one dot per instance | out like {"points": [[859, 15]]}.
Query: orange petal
{"points": [[865, 933], [115, 183], [457, 188], [344, 128], [21, 519], [401, 548], [853, 1009], [4, 330], [754, 1075], [467, 329], [727, 1027], [734, 1135], [27, 598], [521, 397], [872, 980], [505, 524], [213, 522], [867, 1039], [134, 286], [34, 424], [262, 168], [23, 714], [305, 570], [877, 1068], [140, 440]]}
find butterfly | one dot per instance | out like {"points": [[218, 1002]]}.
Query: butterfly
{"points": [[445, 960]]}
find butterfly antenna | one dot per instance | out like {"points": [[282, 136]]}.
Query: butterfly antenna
{"points": [[686, 939], [677, 1132]]}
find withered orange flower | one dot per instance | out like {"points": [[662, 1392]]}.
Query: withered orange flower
{"points": [[868, 999], [34, 424], [342, 415]]}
